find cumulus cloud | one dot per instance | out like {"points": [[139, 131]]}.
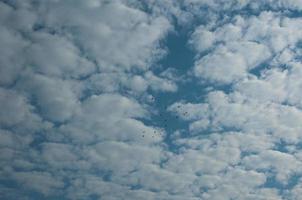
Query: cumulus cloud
{"points": [[242, 45], [90, 111]]}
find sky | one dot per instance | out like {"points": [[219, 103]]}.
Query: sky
{"points": [[152, 100]]}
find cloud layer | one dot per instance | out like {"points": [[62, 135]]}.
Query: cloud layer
{"points": [[90, 111]]}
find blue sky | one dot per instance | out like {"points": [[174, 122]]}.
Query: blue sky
{"points": [[153, 100]]}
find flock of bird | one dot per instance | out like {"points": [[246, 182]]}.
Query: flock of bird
{"points": [[164, 121]]}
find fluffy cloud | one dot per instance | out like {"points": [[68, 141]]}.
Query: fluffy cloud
{"points": [[83, 97], [242, 45], [117, 40]]}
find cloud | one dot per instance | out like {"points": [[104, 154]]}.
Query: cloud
{"points": [[56, 56], [90, 111], [117, 40], [240, 46], [39, 181], [275, 161]]}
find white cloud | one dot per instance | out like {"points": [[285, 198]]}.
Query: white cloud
{"points": [[242, 45], [78, 80], [56, 56], [54, 97], [222, 66], [12, 45], [39, 181], [14, 108], [121, 37], [275, 161]]}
